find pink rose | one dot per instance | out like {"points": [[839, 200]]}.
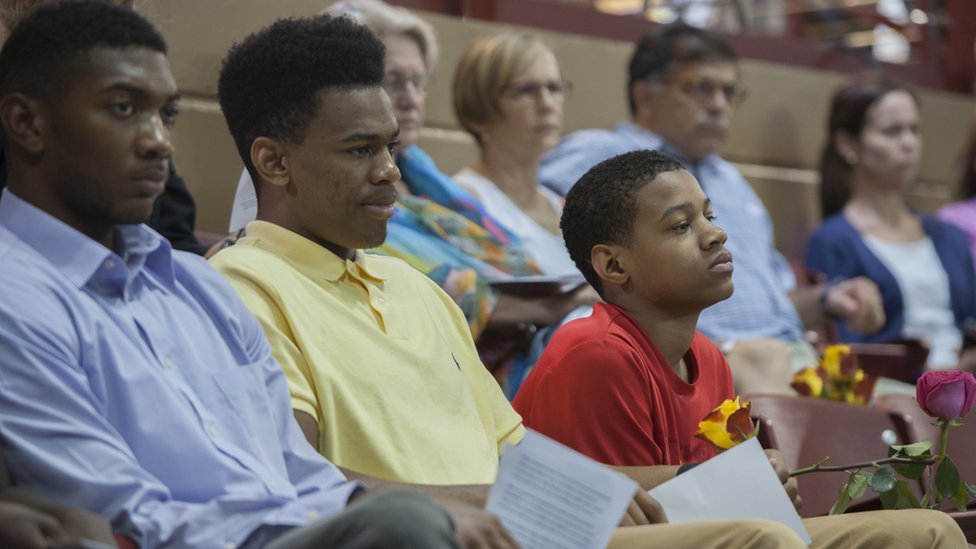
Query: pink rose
{"points": [[946, 394]]}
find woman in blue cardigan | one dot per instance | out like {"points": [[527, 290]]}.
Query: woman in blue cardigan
{"points": [[921, 265]]}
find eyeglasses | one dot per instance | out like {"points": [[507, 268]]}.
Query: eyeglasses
{"points": [[532, 91], [703, 90], [396, 83]]}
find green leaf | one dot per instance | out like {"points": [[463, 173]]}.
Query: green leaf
{"points": [[900, 497], [857, 484], [909, 471], [914, 449], [843, 499], [947, 478], [961, 498], [883, 480], [971, 489]]}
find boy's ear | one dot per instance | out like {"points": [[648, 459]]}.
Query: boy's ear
{"points": [[607, 263], [23, 120], [271, 161]]}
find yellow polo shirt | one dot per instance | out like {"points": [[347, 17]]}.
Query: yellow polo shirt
{"points": [[379, 355]]}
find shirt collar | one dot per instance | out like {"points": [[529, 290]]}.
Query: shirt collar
{"points": [[75, 255], [308, 256], [707, 163]]}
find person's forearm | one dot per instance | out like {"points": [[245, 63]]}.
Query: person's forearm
{"points": [[510, 310], [648, 476], [472, 494], [541, 310], [76, 522]]}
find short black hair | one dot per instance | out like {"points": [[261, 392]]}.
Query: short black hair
{"points": [[602, 206], [271, 82], [660, 50], [52, 37]]}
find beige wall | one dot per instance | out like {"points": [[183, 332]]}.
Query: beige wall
{"points": [[781, 125]]}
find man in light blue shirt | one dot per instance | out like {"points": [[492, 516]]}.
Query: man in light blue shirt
{"points": [[133, 381], [683, 89]]}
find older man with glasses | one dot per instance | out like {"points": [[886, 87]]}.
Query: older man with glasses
{"points": [[684, 85]]}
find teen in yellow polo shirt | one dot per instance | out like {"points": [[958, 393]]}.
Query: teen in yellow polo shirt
{"points": [[379, 355]]}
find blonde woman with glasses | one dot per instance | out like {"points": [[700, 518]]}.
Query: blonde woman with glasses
{"points": [[508, 93]]}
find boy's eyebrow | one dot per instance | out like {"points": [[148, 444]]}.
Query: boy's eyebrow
{"points": [[680, 207], [683, 207], [137, 91], [364, 136]]}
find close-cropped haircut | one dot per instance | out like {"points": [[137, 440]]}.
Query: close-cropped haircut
{"points": [[601, 208], [849, 109], [271, 83], [484, 71], [49, 40], [660, 52], [384, 19]]}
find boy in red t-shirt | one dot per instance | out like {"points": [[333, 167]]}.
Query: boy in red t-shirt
{"points": [[628, 385]]}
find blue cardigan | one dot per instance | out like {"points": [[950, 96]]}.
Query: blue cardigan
{"points": [[837, 250]]}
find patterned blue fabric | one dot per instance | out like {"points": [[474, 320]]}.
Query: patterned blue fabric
{"points": [[760, 306], [423, 177]]}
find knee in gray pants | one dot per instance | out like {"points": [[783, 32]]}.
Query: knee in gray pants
{"points": [[394, 520]]}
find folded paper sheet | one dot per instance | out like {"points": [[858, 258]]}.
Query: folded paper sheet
{"points": [[739, 483], [549, 496]]}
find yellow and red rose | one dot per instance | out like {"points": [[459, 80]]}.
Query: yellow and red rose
{"points": [[727, 425]]}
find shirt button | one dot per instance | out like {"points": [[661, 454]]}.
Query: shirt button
{"points": [[312, 514], [167, 362], [381, 300], [212, 431], [272, 484], [229, 545], [109, 264]]}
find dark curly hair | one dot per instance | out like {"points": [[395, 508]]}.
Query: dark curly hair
{"points": [[270, 83], [45, 42], [602, 206], [660, 50]]}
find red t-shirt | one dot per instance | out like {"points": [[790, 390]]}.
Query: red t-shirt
{"points": [[603, 388]]}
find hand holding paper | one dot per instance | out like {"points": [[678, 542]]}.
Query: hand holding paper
{"points": [[643, 509], [778, 462], [739, 483], [548, 495]]}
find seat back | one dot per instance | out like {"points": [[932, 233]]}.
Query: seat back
{"points": [[903, 360], [806, 430], [915, 425]]}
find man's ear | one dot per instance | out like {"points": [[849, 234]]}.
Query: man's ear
{"points": [[270, 159], [641, 93], [606, 262], [23, 122]]}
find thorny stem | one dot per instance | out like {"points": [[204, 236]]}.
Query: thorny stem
{"points": [[820, 467]]}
